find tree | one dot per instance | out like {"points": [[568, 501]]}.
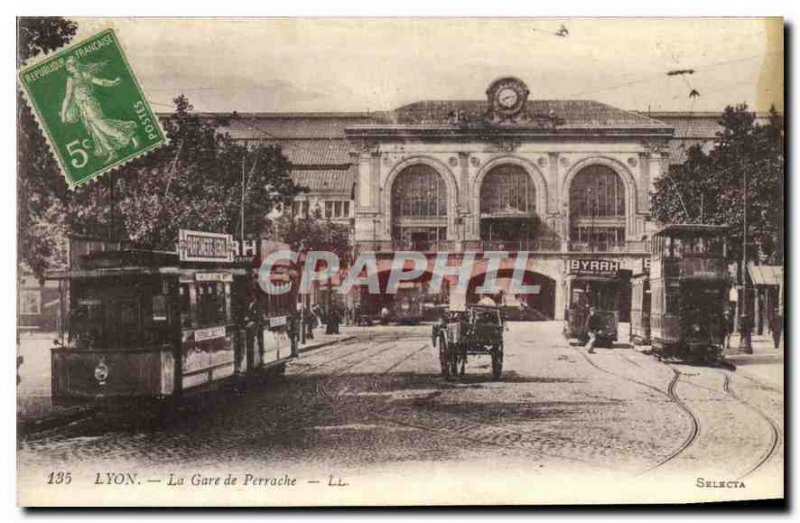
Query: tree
{"points": [[709, 187], [40, 186], [312, 233], [194, 182]]}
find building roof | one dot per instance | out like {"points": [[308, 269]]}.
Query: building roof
{"points": [[319, 140], [569, 114], [283, 126], [690, 125], [326, 181], [329, 152]]}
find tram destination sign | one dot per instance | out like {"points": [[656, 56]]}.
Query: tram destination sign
{"points": [[591, 266], [199, 246]]}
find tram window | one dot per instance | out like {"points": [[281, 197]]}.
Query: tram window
{"points": [[129, 314], [185, 305], [159, 304], [677, 248], [211, 303], [122, 322], [86, 322], [673, 294], [714, 246], [578, 298]]}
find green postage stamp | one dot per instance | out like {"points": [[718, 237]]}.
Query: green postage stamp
{"points": [[91, 108]]}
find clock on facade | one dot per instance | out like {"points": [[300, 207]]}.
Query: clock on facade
{"points": [[507, 97]]}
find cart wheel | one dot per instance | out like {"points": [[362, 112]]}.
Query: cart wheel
{"points": [[443, 356], [453, 360], [497, 361]]}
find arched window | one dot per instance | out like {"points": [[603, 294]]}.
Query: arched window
{"points": [[419, 209], [597, 191], [508, 209], [597, 210], [419, 191], [508, 190]]}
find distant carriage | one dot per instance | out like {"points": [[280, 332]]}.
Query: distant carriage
{"points": [[477, 330], [150, 326], [689, 289]]}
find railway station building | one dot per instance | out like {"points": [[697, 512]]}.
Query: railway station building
{"points": [[559, 179]]}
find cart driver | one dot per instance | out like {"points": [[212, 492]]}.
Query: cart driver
{"points": [[593, 326]]}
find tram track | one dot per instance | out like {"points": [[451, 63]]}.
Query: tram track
{"points": [[463, 428], [694, 431], [671, 394], [321, 384], [775, 430], [368, 345], [776, 434]]}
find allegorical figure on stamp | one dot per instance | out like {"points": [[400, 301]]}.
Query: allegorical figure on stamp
{"points": [[81, 103]]}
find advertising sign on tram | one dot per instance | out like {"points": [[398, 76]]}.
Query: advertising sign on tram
{"points": [[198, 246]]}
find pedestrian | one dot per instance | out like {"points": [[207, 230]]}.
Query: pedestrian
{"points": [[776, 326], [293, 331], [332, 321], [727, 326], [384, 315], [593, 326], [310, 323]]}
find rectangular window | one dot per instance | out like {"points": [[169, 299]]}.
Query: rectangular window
{"points": [[159, 304], [329, 209], [185, 305], [211, 306], [30, 302]]}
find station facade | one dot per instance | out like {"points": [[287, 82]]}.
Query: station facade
{"points": [[560, 180]]}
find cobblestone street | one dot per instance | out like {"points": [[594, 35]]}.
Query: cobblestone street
{"points": [[377, 404]]}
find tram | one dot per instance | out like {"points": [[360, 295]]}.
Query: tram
{"points": [[689, 286], [407, 305], [597, 284], [149, 327], [640, 305]]}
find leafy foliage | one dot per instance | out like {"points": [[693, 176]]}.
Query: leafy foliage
{"points": [[314, 234], [194, 182], [709, 187], [40, 186]]}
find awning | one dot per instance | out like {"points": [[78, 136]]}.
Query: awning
{"points": [[765, 274]]}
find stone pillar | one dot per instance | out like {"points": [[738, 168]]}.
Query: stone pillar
{"points": [[561, 298], [551, 178]]}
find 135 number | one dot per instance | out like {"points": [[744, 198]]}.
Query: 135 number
{"points": [[59, 478]]}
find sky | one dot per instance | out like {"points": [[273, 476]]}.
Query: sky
{"points": [[346, 64]]}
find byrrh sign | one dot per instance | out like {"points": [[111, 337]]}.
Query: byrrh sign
{"points": [[589, 266], [198, 246]]}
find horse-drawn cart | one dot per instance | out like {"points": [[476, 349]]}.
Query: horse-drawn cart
{"points": [[477, 330]]}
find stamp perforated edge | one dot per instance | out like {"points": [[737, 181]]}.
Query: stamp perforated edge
{"points": [[43, 129]]}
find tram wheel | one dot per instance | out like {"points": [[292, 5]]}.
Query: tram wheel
{"points": [[497, 361]]}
